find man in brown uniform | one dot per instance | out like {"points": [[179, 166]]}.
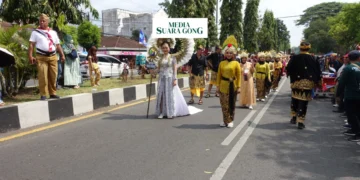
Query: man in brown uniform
{"points": [[47, 43]]}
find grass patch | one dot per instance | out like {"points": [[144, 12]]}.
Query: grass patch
{"points": [[31, 94]]}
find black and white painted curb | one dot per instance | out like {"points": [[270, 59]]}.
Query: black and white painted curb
{"points": [[35, 113]]}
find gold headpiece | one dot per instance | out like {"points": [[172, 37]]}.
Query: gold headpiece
{"points": [[244, 54], [230, 44], [305, 45], [171, 41], [261, 54]]}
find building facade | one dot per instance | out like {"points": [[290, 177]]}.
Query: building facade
{"points": [[123, 22]]}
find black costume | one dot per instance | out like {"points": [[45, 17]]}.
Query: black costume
{"points": [[305, 74]]}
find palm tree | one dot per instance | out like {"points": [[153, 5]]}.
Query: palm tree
{"points": [[15, 40]]}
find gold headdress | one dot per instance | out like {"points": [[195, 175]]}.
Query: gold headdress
{"points": [[261, 54], [244, 54], [268, 54], [230, 44], [305, 45], [278, 56]]}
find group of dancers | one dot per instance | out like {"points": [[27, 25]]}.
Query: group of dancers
{"points": [[234, 75]]}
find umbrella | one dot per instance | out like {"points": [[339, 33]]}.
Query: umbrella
{"points": [[6, 58]]}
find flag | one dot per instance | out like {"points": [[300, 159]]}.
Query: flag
{"points": [[142, 38]]}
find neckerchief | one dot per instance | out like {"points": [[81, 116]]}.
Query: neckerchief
{"points": [[47, 32]]}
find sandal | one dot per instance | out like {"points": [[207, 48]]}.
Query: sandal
{"points": [[191, 102], [207, 96], [217, 95], [200, 102]]}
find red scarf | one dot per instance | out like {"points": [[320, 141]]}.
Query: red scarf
{"points": [[47, 32]]}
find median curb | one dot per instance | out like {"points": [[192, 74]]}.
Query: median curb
{"points": [[34, 113]]}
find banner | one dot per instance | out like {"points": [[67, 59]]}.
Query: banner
{"points": [[180, 28]]}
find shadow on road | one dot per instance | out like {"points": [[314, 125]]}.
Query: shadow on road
{"points": [[319, 150], [199, 126]]}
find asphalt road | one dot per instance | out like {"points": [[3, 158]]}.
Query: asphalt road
{"points": [[124, 145]]}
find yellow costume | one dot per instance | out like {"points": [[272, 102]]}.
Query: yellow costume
{"points": [[229, 73], [262, 72], [247, 95], [277, 74]]}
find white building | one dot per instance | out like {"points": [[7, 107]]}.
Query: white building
{"points": [[123, 22]]}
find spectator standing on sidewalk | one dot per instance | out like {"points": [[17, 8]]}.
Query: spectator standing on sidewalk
{"points": [[72, 76], [349, 84], [93, 66], [47, 43]]}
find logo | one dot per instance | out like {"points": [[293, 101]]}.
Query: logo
{"points": [[180, 28]]}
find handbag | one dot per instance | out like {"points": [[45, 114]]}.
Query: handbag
{"points": [[73, 54]]}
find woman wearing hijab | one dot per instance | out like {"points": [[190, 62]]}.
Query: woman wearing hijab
{"points": [[247, 96], [72, 76], [228, 80]]}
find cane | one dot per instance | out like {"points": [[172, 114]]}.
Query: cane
{"points": [[147, 114]]}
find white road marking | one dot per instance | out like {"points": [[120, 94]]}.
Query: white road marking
{"points": [[237, 130], [225, 164]]}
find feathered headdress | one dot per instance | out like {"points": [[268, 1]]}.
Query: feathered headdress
{"points": [[183, 55]]}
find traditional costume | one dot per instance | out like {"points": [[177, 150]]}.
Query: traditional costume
{"points": [[170, 102], [262, 77], [228, 80], [213, 62], [305, 74], [198, 66], [277, 73], [247, 95]]}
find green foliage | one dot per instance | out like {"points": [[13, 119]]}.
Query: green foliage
{"points": [[345, 26], [231, 20], [72, 31], [16, 40], [320, 11], [89, 35], [317, 35], [194, 9], [267, 32], [60, 11], [251, 24], [283, 40]]}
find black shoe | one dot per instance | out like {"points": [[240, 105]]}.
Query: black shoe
{"points": [[54, 97], [347, 126], [43, 98], [301, 125], [349, 133], [293, 120], [355, 138]]}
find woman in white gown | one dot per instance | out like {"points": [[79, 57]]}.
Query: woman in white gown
{"points": [[170, 101]]}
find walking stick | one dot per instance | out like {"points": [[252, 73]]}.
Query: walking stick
{"points": [[147, 114]]}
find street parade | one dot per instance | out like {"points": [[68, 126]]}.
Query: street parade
{"points": [[172, 89]]}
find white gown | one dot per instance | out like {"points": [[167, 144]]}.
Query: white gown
{"points": [[181, 107]]}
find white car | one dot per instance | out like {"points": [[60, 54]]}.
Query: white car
{"points": [[109, 66]]}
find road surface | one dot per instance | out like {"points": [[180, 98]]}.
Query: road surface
{"points": [[124, 145]]}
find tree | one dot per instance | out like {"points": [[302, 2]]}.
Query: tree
{"points": [[283, 42], [16, 40], [317, 35], [231, 20], [89, 35], [251, 24], [213, 29], [345, 26], [73, 32], [320, 11], [266, 34], [60, 11]]}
